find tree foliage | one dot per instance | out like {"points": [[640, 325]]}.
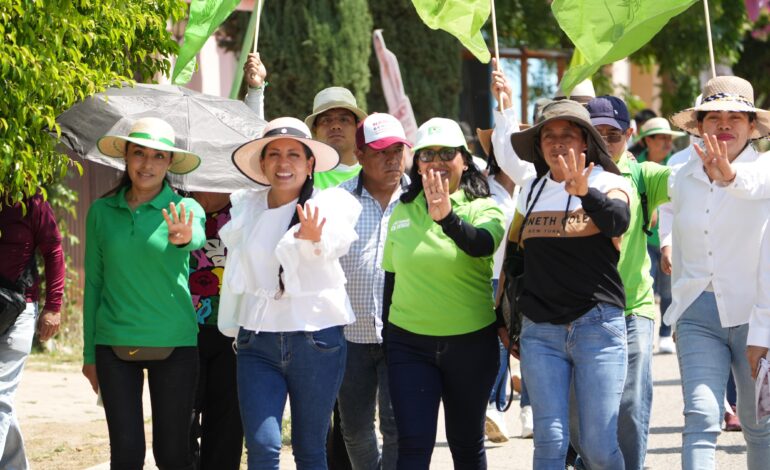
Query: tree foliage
{"points": [[308, 46], [54, 53], [681, 50], [429, 60]]}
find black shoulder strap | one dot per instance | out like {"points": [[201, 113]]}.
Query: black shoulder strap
{"points": [[25, 280], [636, 175], [529, 207]]}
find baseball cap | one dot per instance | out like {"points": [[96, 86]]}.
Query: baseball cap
{"points": [[440, 132], [609, 110], [379, 131]]}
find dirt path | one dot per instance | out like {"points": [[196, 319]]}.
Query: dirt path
{"points": [[64, 429]]}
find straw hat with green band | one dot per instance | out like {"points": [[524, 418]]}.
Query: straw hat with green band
{"points": [[657, 126], [152, 133]]}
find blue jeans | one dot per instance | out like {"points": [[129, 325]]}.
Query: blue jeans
{"points": [[306, 366], [364, 386], [501, 381], [15, 346], [706, 353], [661, 285], [592, 349], [427, 370], [636, 401]]}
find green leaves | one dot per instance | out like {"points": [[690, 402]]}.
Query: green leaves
{"points": [[57, 52]]}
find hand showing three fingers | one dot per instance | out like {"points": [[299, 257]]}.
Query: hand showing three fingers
{"points": [[575, 173], [179, 226], [715, 160], [437, 194], [310, 228]]}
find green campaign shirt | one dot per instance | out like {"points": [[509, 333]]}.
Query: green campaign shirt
{"points": [[634, 264], [335, 177], [136, 286], [440, 290]]}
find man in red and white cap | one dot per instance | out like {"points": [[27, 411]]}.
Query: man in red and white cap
{"points": [[381, 150]]}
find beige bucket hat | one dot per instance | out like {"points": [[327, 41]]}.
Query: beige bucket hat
{"points": [[152, 133], [246, 157], [727, 93], [334, 97]]}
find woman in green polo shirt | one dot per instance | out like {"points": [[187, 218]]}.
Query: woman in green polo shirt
{"points": [[137, 312], [440, 335]]}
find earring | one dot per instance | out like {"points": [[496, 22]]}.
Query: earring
{"points": [[465, 168]]}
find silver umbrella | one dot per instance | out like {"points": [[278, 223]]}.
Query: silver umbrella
{"points": [[209, 126]]}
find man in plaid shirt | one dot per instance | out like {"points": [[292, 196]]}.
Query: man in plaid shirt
{"points": [[381, 149]]}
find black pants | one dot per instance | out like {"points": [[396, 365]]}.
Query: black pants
{"points": [[217, 421], [425, 370], [172, 392]]}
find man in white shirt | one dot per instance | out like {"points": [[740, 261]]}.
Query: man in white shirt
{"points": [[721, 204], [381, 149]]}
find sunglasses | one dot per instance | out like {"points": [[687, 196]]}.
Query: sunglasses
{"points": [[445, 154], [612, 137]]}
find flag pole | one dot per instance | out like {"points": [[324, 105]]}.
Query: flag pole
{"points": [[711, 44], [497, 49], [235, 88], [256, 27]]}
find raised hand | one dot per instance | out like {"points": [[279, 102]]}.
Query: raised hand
{"points": [[575, 173], [309, 226], [716, 164], [437, 195], [501, 88], [179, 224], [255, 71]]}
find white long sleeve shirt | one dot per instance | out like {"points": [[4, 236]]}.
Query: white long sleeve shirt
{"points": [[258, 243], [520, 171], [717, 232], [759, 322]]}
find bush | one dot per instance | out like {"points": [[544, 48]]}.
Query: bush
{"points": [[54, 53]]}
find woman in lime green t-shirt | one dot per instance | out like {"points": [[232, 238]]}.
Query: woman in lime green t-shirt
{"points": [[441, 333]]}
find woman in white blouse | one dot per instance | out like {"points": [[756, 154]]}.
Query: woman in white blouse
{"points": [[283, 292], [721, 204]]}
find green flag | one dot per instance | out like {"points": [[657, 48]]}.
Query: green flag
{"points": [[205, 18], [606, 31], [461, 18]]}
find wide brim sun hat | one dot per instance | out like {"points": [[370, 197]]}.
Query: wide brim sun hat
{"points": [[657, 126], [246, 157], [331, 98], [526, 143], [152, 133], [726, 93]]}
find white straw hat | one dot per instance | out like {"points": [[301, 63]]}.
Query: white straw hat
{"points": [[582, 93], [152, 133], [727, 93], [246, 157]]}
